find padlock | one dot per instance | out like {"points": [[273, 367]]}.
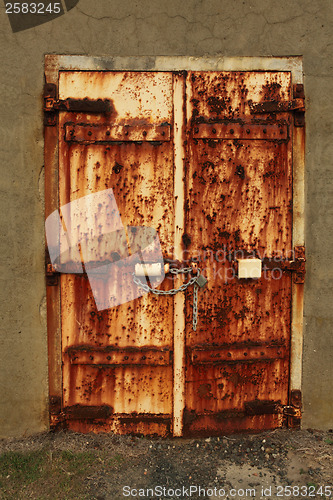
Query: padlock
{"points": [[201, 281]]}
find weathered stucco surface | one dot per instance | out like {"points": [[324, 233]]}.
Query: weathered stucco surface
{"points": [[152, 27]]}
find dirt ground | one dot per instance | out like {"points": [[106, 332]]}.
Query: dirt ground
{"points": [[271, 465]]}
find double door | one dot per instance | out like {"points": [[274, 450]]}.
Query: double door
{"points": [[198, 158]]}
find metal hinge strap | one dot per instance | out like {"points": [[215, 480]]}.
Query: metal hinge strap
{"points": [[295, 266], [277, 106], [296, 105], [78, 105], [52, 105]]}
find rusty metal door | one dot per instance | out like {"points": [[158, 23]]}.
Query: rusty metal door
{"points": [[117, 363], [239, 205], [204, 158]]}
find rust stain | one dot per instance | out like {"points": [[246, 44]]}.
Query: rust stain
{"points": [[204, 391]]}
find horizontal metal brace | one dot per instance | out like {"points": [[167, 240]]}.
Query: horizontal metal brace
{"points": [[119, 357], [296, 266], [247, 131], [86, 133], [202, 356]]}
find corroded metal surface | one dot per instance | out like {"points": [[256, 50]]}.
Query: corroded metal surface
{"points": [[112, 356], [248, 131], [239, 191], [216, 188], [140, 174], [240, 353]]}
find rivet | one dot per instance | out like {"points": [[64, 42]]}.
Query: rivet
{"points": [[163, 133], [229, 354], [144, 133], [126, 132], [126, 358], [90, 132], [265, 131], [231, 131], [214, 130], [91, 357], [108, 358], [247, 130], [108, 132], [245, 353], [143, 357]]}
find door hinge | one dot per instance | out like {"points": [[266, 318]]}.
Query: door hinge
{"points": [[293, 411], [52, 105], [51, 274], [296, 105], [55, 412]]}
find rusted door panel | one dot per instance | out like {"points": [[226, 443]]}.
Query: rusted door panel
{"points": [[240, 196], [239, 192], [225, 386], [227, 95], [119, 359], [138, 173], [246, 312]]}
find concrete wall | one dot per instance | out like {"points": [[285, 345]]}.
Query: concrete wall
{"points": [[152, 27]]}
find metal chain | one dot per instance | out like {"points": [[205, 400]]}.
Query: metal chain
{"points": [[184, 270], [195, 306], [173, 291]]}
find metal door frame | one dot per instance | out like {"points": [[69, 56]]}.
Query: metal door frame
{"points": [[177, 64]]}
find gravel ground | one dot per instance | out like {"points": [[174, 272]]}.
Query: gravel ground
{"points": [[271, 465]]}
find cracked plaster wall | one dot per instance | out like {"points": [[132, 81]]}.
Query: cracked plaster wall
{"points": [[151, 27]]}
